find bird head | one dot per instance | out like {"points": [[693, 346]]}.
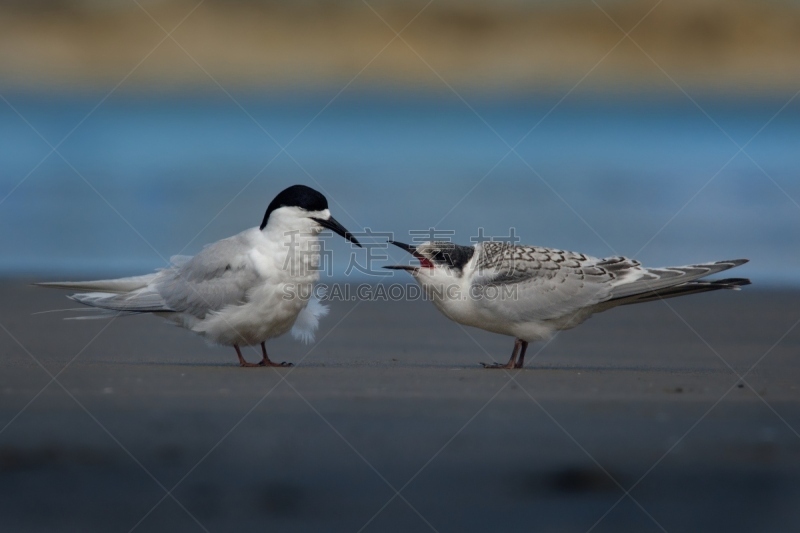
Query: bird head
{"points": [[437, 259], [304, 209]]}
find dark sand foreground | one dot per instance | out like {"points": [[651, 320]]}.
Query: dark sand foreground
{"points": [[392, 399]]}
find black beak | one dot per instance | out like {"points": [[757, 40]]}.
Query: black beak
{"points": [[402, 267], [333, 224], [407, 247]]}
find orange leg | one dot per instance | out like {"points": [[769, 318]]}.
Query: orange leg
{"points": [[521, 357], [265, 361], [520, 346]]}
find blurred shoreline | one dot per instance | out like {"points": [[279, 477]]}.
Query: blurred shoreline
{"points": [[711, 46]]}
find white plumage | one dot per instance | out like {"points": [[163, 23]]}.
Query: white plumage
{"points": [[529, 292], [237, 291], [308, 320]]}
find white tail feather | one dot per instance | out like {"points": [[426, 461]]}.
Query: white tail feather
{"points": [[120, 285], [97, 313]]}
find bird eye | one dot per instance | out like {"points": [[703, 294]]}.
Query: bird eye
{"points": [[443, 256]]}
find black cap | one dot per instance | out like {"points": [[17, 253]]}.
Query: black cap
{"points": [[296, 196]]}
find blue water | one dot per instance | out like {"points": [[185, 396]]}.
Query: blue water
{"points": [[143, 178]]}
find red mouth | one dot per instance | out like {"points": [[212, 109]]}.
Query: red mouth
{"points": [[423, 261]]}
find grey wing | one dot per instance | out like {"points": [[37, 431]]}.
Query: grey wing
{"points": [[219, 276], [640, 284], [537, 283], [143, 300], [546, 284]]}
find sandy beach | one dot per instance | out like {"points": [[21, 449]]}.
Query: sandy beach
{"points": [[391, 399]]}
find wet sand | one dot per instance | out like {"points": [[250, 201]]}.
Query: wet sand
{"points": [[391, 398]]}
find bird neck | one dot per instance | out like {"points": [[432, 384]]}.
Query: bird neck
{"points": [[295, 248]]}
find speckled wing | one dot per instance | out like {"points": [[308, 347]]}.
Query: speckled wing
{"points": [[637, 284], [219, 276], [547, 284], [544, 283]]}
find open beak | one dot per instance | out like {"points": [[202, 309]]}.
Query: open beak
{"points": [[333, 225], [423, 261], [407, 247]]}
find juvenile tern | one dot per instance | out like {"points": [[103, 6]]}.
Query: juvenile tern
{"points": [[529, 292], [234, 292]]}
